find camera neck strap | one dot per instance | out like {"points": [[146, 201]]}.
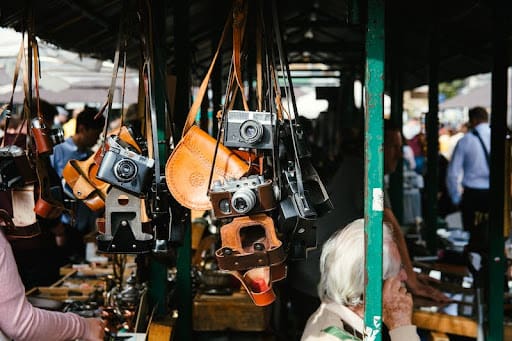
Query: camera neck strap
{"points": [[151, 114], [290, 95], [107, 107], [239, 23], [37, 76], [191, 117], [9, 106]]}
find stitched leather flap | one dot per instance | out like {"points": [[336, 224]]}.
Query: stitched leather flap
{"points": [[257, 282], [82, 188], [188, 168], [249, 242]]}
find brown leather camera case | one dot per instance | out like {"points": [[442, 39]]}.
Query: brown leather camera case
{"points": [[188, 168]]}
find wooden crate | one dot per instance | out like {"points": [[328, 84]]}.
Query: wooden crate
{"points": [[234, 312], [61, 293]]}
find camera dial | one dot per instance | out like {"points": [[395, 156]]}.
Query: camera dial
{"points": [[243, 200], [125, 170], [251, 131]]}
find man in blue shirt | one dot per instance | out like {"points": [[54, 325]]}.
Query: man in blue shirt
{"points": [[78, 147], [467, 177]]}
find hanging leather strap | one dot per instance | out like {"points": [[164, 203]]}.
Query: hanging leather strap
{"points": [[191, 117], [37, 76], [9, 106], [110, 95], [259, 68], [239, 21]]}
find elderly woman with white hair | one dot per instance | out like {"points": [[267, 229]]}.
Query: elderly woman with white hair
{"points": [[341, 289]]}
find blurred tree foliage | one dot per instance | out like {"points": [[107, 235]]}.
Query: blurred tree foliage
{"points": [[450, 89]]}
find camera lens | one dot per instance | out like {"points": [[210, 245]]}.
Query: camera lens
{"points": [[243, 200], [224, 206], [125, 170], [251, 131]]}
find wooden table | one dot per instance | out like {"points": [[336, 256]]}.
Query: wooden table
{"points": [[444, 323], [436, 319], [231, 312]]}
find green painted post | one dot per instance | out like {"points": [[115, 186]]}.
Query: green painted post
{"points": [[374, 166], [495, 310]]}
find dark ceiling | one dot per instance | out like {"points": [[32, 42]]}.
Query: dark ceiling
{"points": [[323, 31]]}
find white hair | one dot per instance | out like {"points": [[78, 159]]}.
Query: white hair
{"points": [[342, 264]]}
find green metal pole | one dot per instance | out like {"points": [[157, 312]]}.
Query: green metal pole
{"points": [[495, 310], [432, 125], [374, 166]]}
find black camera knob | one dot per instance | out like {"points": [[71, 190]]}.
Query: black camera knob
{"points": [[259, 246], [227, 251]]}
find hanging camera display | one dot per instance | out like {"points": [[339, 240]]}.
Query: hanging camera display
{"points": [[248, 195], [15, 168], [249, 129], [124, 168]]}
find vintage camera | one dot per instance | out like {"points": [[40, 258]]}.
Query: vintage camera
{"points": [[290, 130], [242, 197], [41, 137], [249, 129], [124, 168], [56, 136], [15, 168], [297, 217], [313, 186]]}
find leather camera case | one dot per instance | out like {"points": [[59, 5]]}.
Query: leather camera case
{"points": [[188, 168]]}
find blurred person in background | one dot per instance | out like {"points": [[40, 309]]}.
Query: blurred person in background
{"points": [[78, 147], [467, 178]]}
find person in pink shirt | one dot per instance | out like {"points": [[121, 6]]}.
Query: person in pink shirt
{"points": [[19, 320]]}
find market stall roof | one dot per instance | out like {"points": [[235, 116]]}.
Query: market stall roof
{"points": [[319, 31], [65, 76]]}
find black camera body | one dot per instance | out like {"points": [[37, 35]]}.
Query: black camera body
{"points": [[15, 168], [124, 168], [246, 196], [289, 129], [297, 218], [56, 136], [249, 129]]}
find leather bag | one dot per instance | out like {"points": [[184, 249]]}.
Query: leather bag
{"points": [[17, 217], [187, 171], [81, 177]]}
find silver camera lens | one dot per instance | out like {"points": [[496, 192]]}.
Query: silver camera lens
{"points": [[125, 170], [251, 131], [243, 200]]}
